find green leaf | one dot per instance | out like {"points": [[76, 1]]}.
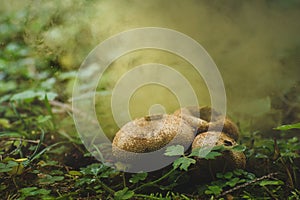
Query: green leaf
{"points": [[28, 190], [42, 192], [288, 127], [50, 179], [7, 86], [175, 150], [239, 148], [30, 95], [49, 95], [124, 194], [4, 123], [75, 173], [183, 163], [250, 176], [42, 118], [11, 163], [293, 140], [4, 168], [268, 182], [228, 175], [213, 189], [219, 148], [56, 172], [219, 175], [5, 98], [138, 177], [33, 191], [67, 75], [212, 155], [48, 84], [238, 172], [207, 152], [11, 134], [200, 152], [232, 182]]}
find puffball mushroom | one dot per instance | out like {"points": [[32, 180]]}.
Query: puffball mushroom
{"points": [[228, 160], [202, 118], [152, 133]]}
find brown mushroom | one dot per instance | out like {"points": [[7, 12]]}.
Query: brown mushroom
{"points": [[152, 133], [205, 118], [228, 160]]}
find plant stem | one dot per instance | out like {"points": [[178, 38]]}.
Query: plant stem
{"points": [[49, 109], [155, 181], [124, 181], [15, 183], [105, 187], [18, 115], [288, 172], [24, 140], [246, 184], [147, 196], [270, 193]]}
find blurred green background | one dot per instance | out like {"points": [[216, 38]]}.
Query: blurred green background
{"points": [[255, 44]]}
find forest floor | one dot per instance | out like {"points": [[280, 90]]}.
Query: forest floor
{"points": [[42, 156]]}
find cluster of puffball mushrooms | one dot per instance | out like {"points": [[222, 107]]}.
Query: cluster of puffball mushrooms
{"points": [[200, 127]]}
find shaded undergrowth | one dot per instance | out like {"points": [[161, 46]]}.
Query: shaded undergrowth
{"points": [[42, 157]]}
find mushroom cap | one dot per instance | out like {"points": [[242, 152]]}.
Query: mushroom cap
{"points": [[201, 118], [226, 126], [192, 116], [229, 159], [152, 133]]}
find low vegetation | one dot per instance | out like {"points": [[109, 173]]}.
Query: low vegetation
{"points": [[42, 157]]}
